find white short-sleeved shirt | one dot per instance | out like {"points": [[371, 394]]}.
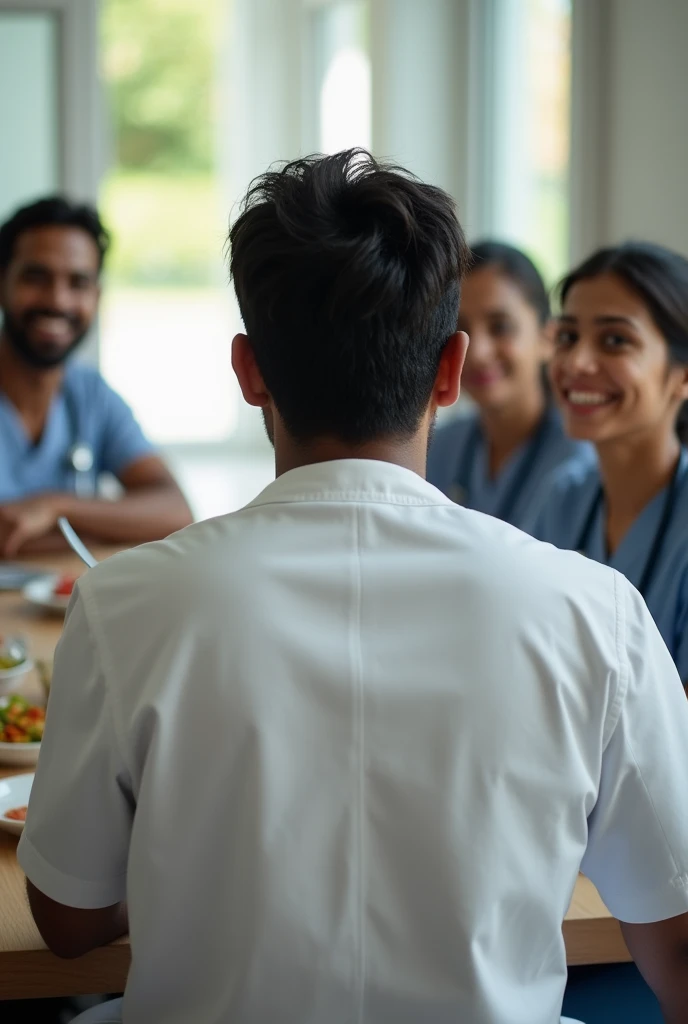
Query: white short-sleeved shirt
{"points": [[344, 752]]}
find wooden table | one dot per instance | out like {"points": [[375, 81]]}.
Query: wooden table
{"points": [[28, 970]]}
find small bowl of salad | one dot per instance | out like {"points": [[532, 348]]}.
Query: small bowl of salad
{"points": [[21, 730]]}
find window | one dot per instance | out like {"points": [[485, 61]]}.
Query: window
{"points": [[526, 111], [340, 57], [167, 317]]}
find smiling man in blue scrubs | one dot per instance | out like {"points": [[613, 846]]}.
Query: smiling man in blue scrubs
{"points": [[61, 426]]}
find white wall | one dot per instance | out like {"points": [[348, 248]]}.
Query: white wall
{"points": [[630, 123]]}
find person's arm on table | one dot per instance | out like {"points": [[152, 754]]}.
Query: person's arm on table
{"points": [[75, 844], [661, 952], [152, 507], [637, 852], [70, 932]]}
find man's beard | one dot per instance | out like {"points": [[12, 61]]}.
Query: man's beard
{"points": [[32, 353]]}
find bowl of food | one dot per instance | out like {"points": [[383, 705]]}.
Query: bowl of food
{"points": [[14, 798], [14, 661], [21, 730]]}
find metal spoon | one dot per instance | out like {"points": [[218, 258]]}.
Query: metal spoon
{"points": [[75, 542]]}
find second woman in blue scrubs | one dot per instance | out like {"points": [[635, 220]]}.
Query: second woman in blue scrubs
{"points": [[620, 374], [498, 458]]}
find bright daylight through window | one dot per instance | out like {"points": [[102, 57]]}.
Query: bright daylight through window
{"points": [[167, 314]]}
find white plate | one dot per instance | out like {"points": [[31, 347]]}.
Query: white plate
{"points": [[41, 592], [14, 792]]}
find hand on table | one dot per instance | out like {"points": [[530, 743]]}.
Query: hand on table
{"points": [[26, 520]]}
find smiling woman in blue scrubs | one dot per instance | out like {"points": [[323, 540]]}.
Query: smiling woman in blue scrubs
{"points": [[620, 375], [498, 458]]}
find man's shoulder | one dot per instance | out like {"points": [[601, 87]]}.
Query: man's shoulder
{"points": [[535, 574], [167, 571]]}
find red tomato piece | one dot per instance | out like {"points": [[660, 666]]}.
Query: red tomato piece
{"points": [[17, 814], [65, 585]]}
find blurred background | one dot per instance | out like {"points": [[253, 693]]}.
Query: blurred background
{"points": [[558, 125]]}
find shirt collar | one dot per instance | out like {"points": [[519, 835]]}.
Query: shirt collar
{"points": [[352, 480]]}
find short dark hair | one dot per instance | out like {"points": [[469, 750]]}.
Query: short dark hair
{"points": [[347, 274], [659, 277], [519, 268], [53, 211]]}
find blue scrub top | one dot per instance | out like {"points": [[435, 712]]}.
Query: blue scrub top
{"points": [[562, 520], [458, 466], [85, 411]]}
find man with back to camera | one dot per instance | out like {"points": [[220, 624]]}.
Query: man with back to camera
{"points": [[61, 426], [350, 745]]}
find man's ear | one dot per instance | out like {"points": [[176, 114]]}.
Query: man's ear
{"points": [[247, 373], [448, 381]]}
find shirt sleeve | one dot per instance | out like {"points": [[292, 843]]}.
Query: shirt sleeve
{"points": [[122, 439], [75, 844], [637, 853]]}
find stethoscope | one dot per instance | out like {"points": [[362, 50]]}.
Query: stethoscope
{"points": [[458, 490], [653, 557], [80, 457]]}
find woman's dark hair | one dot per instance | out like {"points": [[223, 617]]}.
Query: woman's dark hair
{"points": [[519, 268], [347, 274], [54, 211], [659, 277]]}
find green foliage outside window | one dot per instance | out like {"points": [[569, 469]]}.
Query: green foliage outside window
{"points": [[159, 61]]}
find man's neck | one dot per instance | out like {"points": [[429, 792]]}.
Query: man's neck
{"points": [[633, 472], [29, 388], [506, 429], [411, 454]]}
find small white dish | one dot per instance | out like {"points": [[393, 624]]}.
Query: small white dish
{"points": [[20, 755], [41, 592], [14, 792]]}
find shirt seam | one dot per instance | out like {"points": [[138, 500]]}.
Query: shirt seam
{"points": [[357, 667], [621, 688]]}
